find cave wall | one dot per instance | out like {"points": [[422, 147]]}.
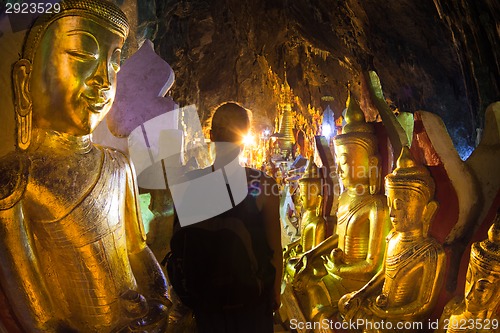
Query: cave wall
{"points": [[440, 56], [434, 55]]}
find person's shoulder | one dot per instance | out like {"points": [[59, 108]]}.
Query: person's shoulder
{"points": [[13, 178]]}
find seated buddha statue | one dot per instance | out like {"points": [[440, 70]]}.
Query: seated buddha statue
{"points": [[345, 261], [479, 309], [313, 224], [407, 288], [73, 249]]}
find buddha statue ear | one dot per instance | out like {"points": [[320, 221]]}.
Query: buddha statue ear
{"points": [[373, 175], [22, 102], [319, 208], [430, 211]]}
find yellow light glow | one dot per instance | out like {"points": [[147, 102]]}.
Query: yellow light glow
{"points": [[249, 140]]}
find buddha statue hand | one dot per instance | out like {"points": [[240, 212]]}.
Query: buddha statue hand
{"points": [[350, 303], [292, 250], [147, 315], [155, 321], [301, 264], [338, 257], [134, 304], [307, 269], [381, 301]]}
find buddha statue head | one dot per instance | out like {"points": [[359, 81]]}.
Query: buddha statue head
{"points": [[410, 190], [482, 285], [66, 79], [310, 185], [356, 152]]}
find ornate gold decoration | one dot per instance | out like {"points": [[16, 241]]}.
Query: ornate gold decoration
{"points": [[478, 310], [355, 253], [286, 124], [313, 224], [406, 289], [74, 255]]}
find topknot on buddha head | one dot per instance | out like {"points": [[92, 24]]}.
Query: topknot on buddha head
{"points": [[311, 173], [356, 130], [409, 175], [311, 181], [485, 255]]}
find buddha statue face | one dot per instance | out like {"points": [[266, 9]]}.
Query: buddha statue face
{"points": [[482, 287], [355, 166], [310, 195], [410, 189], [72, 81], [481, 290], [406, 208]]}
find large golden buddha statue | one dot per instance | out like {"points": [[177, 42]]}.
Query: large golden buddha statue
{"points": [[406, 290], [347, 260], [73, 251], [479, 309]]}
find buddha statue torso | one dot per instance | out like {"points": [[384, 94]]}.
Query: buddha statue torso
{"points": [[353, 224], [314, 229], [404, 266], [84, 231]]}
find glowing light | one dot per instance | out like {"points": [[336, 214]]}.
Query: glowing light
{"points": [[249, 140], [267, 132], [243, 160], [326, 130]]}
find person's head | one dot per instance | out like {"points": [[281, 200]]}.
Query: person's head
{"points": [[356, 151], [230, 123], [67, 77], [410, 190], [482, 285]]}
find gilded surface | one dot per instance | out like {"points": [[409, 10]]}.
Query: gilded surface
{"points": [[312, 224], [479, 308], [406, 289], [74, 256], [347, 260]]}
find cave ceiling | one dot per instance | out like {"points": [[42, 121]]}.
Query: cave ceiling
{"points": [[433, 55]]}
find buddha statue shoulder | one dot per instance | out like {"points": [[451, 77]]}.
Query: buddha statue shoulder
{"points": [[478, 310], [406, 289], [348, 259], [74, 254]]}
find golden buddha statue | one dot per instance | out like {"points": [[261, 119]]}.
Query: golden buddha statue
{"points": [[406, 290], [479, 309], [313, 223], [74, 254], [356, 250]]}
